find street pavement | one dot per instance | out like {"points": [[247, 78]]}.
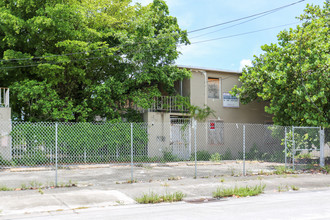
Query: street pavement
{"points": [[116, 200], [289, 205]]}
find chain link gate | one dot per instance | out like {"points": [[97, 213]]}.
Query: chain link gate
{"points": [[304, 146]]}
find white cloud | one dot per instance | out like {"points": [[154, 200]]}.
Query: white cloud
{"points": [[245, 62]]}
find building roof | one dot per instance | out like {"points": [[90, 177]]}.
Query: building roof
{"points": [[209, 69]]}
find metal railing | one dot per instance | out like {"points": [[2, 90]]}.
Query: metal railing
{"points": [[170, 104], [4, 97]]}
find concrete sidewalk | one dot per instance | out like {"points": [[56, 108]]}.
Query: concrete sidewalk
{"points": [[30, 202]]}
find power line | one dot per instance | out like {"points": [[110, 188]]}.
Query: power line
{"points": [[227, 22], [230, 26], [250, 32]]}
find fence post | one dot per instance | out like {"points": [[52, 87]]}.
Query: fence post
{"points": [[132, 152], [243, 150], [85, 155], [285, 149], [322, 147], [195, 127], [56, 154], [293, 148]]}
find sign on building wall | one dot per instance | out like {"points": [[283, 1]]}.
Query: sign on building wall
{"points": [[216, 132], [230, 101]]}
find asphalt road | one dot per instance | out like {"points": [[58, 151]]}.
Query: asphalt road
{"points": [[288, 205]]}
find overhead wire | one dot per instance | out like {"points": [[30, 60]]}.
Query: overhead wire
{"points": [[245, 33], [239, 19], [201, 35]]}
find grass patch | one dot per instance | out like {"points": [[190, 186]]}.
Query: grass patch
{"points": [[40, 191], [294, 188], [282, 188], [5, 188], [156, 198], [80, 208], [261, 172], [174, 178], [34, 185], [204, 177], [165, 184], [280, 170], [216, 157], [69, 184], [239, 191]]}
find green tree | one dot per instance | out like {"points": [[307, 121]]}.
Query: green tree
{"points": [[82, 58], [294, 74]]}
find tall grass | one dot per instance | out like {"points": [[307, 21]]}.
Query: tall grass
{"points": [[239, 191], [156, 198]]}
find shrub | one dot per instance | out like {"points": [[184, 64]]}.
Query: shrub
{"points": [[227, 155], [304, 156], [32, 158], [168, 156], [215, 157], [253, 153], [4, 162], [201, 155]]}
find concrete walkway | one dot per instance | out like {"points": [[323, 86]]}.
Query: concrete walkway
{"points": [[38, 202]]}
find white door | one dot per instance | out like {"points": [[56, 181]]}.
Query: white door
{"points": [[180, 138]]}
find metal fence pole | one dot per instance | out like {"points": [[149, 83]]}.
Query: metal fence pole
{"points": [[285, 149], [293, 148], [195, 126], [132, 152], [85, 155], [243, 150], [322, 147], [56, 154]]}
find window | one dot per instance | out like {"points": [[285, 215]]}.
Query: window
{"points": [[213, 85], [216, 132]]}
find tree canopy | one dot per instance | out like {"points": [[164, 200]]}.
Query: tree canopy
{"points": [[294, 74], [73, 60]]}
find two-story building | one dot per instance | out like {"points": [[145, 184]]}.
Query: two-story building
{"points": [[207, 87]]}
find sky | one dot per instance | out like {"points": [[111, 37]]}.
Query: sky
{"points": [[234, 52]]}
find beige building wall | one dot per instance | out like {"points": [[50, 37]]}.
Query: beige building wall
{"points": [[5, 129], [250, 113], [158, 133]]}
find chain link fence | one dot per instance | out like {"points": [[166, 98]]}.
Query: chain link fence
{"points": [[147, 151]]}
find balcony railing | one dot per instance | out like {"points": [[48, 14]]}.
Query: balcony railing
{"points": [[4, 97], [170, 104]]}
